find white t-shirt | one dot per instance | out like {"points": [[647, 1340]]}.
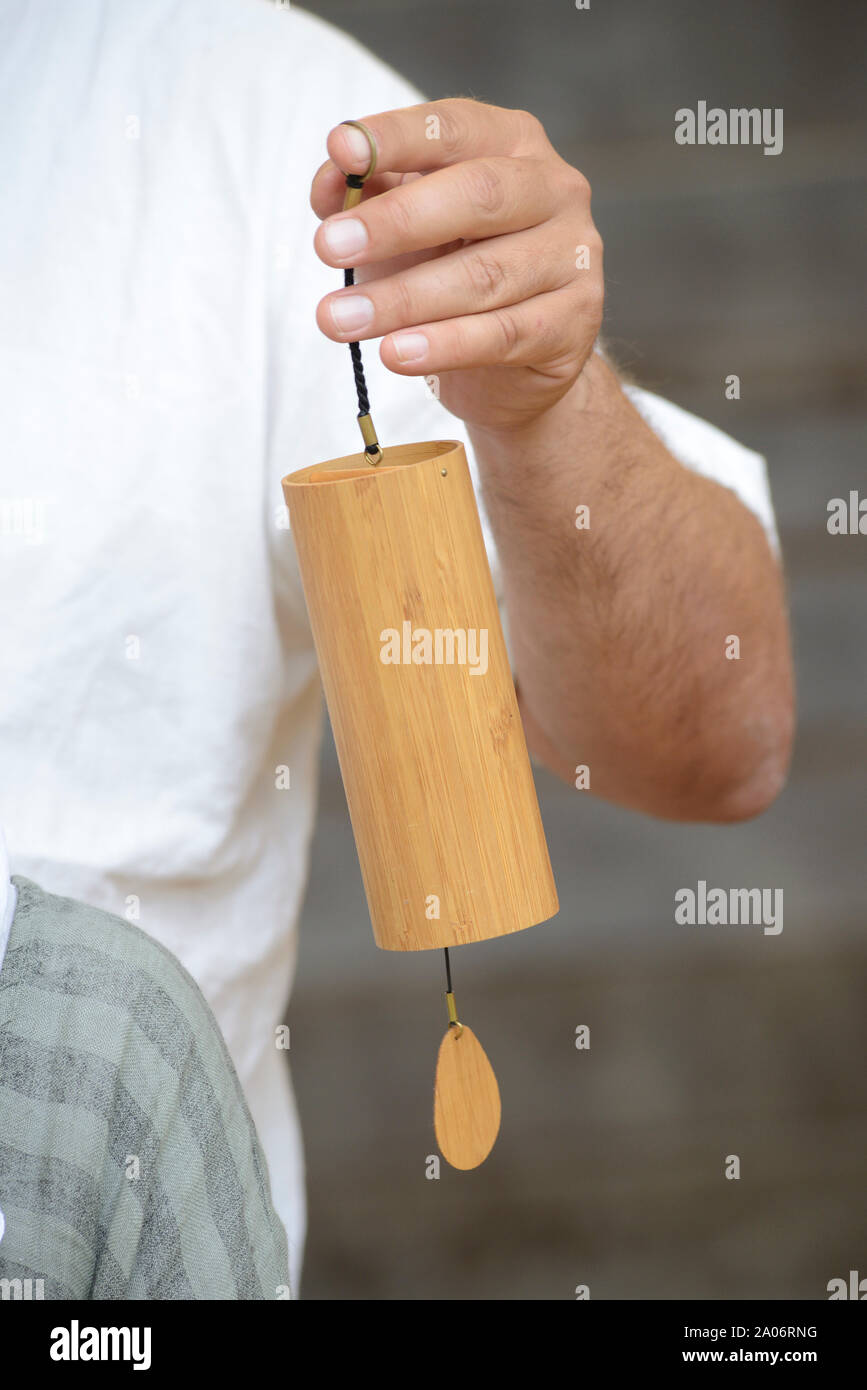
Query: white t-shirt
{"points": [[160, 371]]}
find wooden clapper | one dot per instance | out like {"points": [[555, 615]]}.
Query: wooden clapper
{"points": [[425, 719]]}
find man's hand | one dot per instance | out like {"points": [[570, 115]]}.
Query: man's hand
{"points": [[481, 263]]}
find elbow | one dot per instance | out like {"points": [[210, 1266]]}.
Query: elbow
{"points": [[757, 771], [751, 796]]}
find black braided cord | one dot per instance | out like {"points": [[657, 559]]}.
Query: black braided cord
{"points": [[357, 365], [353, 181]]}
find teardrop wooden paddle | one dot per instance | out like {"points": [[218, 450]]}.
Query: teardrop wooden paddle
{"points": [[466, 1095]]}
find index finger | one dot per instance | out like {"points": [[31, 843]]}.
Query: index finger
{"points": [[432, 134]]}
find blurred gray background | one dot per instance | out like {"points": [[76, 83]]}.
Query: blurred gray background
{"points": [[609, 1169]]}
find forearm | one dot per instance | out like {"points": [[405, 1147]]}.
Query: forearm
{"points": [[620, 631]]}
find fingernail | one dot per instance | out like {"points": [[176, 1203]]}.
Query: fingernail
{"points": [[410, 347], [351, 312], [356, 143], [345, 237]]}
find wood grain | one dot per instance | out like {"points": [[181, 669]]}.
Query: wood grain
{"points": [[466, 1100], [433, 758]]}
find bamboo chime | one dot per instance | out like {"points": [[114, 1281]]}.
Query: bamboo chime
{"points": [[425, 718]]}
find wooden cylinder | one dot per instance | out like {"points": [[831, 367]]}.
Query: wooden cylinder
{"points": [[421, 697]]}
